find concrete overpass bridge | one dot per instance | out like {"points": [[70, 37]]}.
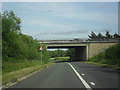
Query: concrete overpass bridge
{"points": [[83, 49]]}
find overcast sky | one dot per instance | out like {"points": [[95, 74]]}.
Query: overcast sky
{"points": [[65, 20]]}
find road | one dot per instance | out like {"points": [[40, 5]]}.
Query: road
{"points": [[71, 75]]}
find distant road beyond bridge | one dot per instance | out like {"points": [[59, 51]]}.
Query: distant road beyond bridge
{"points": [[83, 49]]}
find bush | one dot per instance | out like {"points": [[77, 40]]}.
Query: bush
{"points": [[71, 53], [103, 61], [18, 49], [17, 45], [8, 66], [62, 58], [112, 54], [98, 57]]}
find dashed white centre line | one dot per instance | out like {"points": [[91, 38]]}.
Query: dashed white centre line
{"points": [[92, 83], [82, 74], [81, 79]]}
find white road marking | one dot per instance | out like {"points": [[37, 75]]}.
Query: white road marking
{"points": [[81, 79], [82, 74], [92, 83]]}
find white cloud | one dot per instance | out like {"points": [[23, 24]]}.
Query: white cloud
{"points": [[78, 12], [66, 10], [81, 31], [63, 19], [44, 23], [96, 17]]}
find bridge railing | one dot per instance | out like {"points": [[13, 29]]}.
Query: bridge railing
{"points": [[75, 41]]}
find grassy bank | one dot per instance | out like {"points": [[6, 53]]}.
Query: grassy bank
{"points": [[116, 67], [14, 76], [10, 66], [62, 58], [109, 58], [101, 61]]}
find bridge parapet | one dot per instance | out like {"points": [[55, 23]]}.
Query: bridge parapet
{"points": [[76, 41]]}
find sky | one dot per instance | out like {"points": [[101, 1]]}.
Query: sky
{"points": [[65, 20]]}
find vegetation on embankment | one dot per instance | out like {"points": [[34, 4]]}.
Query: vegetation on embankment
{"points": [[15, 45], [58, 53], [20, 64], [65, 55], [62, 58], [19, 51], [109, 58]]}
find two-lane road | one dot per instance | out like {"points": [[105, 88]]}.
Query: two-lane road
{"points": [[71, 75]]}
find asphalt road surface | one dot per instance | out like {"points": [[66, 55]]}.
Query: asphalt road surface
{"points": [[71, 75]]}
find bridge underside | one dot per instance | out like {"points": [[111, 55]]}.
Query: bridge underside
{"points": [[80, 51]]}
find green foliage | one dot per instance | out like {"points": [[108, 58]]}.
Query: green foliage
{"points": [[0, 26], [45, 56], [93, 36], [62, 58], [111, 56], [19, 64], [106, 37], [71, 53], [58, 53], [103, 61], [10, 22], [98, 57], [17, 46]]}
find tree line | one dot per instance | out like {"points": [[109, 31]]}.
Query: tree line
{"points": [[100, 37], [63, 53], [16, 45], [58, 53]]}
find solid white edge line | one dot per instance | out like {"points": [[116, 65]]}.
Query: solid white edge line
{"points": [[82, 80]]}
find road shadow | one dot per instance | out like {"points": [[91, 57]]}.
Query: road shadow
{"points": [[69, 61]]}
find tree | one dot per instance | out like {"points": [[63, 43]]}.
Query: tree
{"points": [[71, 53], [108, 35], [93, 36], [58, 53], [0, 26], [116, 36], [112, 54], [10, 22], [10, 39], [0, 35], [18, 46], [100, 37]]}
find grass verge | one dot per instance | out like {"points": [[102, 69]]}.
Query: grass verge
{"points": [[15, 76], [62, 58], [10, 66], [104, 65]]}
